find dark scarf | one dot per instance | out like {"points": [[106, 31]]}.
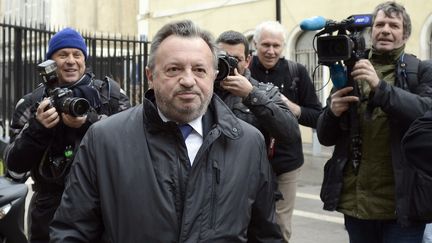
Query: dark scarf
{"points": [[84, 88]]}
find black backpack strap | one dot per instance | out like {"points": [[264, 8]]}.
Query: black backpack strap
{"points": [[408, 72], [38, 93], [114, 92], [294, 72], [36, 96], [295, 78], [109, 90]]}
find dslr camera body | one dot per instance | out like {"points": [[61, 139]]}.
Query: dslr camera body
{"points": [[226, 66], [61, 98]]}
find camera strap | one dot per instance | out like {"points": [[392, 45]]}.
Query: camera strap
{"points": [[52, 172], [356, 140]]}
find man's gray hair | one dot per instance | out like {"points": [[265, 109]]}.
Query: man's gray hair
{"points": [[391, 7], [183, 28], [271, 26]]}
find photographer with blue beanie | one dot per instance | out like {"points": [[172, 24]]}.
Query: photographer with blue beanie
{"points": [[67, 38], [45, 134]]}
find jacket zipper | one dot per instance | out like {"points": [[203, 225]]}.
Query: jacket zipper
{"points": [[215, 182], [180, 194]]}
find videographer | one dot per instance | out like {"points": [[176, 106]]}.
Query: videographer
{"points": [[374, 193], [269, 66], [259, 104], [45, 136]]}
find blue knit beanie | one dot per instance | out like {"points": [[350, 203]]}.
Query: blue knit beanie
{"points": [[66, 38]]}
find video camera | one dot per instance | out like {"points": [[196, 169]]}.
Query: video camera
{"points": [[226, 66], [61, 98], [344, 46], [348, 45]]}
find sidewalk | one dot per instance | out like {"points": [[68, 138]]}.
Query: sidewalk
{"points": [[313, 167], [311, 223]]}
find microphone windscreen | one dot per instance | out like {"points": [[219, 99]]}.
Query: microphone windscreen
{"points": [[313, 23]]}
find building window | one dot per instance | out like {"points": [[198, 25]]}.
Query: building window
{"points": [[430, 46], [305, 54]]}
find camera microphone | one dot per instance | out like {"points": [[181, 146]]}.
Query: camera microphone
{"points": [[313, 23]]}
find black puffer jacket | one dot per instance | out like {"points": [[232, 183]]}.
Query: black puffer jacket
{"points": [[417, 151], [132, 181], [402, 107], [265, 110]]}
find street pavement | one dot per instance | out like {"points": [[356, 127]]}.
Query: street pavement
{"points": [[312, 224]]}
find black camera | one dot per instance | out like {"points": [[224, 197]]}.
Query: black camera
{"points": [[226, 66], [348, 44], [61, 98]]}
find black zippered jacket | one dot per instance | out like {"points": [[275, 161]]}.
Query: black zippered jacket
{"points": [[132, 181], [30, 139], [265, 110], [299, 90]]}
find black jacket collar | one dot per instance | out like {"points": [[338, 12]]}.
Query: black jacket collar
{"points": [[218, 115]]}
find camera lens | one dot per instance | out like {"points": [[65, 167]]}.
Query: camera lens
{"points": [[223, 68], [75, 106], [334, 48]]}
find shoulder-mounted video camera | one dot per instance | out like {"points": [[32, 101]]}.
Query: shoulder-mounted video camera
{"points": [[349, 42], [226, 66], [348, 45], [61, 98]]}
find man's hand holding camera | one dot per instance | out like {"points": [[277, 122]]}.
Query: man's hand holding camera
{"points": [[73, 121], [237, 84], [363, 70], [49, 117], [340, 100], [46, 114]]}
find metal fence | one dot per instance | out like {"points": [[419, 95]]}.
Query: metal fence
{"points": [[23, 47]]}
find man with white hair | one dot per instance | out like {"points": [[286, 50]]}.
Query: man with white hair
{"points": [[298, 92]]}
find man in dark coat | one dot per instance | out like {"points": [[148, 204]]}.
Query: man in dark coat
{"points": [[261, 105], [178, 168]]}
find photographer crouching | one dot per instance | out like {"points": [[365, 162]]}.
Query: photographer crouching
{"points": [[49, 123]]}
